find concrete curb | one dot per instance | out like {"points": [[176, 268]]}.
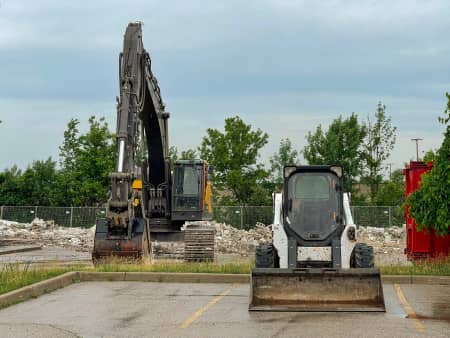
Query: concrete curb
{"points": [[49, 285], [416, 279], [164, 277], [167, 277], [173, 277], [7, 251], [38, 289]]}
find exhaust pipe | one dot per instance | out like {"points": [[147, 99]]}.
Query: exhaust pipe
{"points": [[347, 290]]}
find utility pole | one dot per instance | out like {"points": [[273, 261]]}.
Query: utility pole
{"points": [[417, 146]]}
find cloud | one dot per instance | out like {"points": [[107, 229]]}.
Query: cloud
{"points": [[284, 66]]}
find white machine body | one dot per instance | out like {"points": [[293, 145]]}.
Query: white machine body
{"points": [[280, 239]]}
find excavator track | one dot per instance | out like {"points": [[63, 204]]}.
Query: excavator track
{"points": [[199, 243]]}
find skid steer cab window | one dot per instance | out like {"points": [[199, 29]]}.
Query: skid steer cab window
{"points": [[313, 205], [187, 187]]}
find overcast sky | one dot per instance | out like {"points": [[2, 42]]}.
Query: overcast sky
{"points": [[283, 66]]}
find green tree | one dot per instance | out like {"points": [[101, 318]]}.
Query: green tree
{"points": [[285, 155], [86, 161], [70, 149], [173, 155], [188, 154], [378, 145], [339, 145], [430, 155], [429, 205], [392, 192], [96, 161], [234, 154], [69, 153], [39, 183], [10, 187]]}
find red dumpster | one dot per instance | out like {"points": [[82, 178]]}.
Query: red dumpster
{"points": [[421, 244]]}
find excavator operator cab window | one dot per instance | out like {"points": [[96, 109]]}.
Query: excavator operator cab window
{"points": [[187, 186]]}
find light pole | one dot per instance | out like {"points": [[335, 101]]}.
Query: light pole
{"points": [[390, 170], [417, 146]]}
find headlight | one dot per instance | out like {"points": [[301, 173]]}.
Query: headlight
{"points": [[351, 233]]}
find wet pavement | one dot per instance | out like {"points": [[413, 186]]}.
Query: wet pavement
{"points": [[135, 309], [49, 254]]}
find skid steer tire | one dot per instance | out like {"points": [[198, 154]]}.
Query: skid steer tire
{"points": [[266, 256], [362, 256]]}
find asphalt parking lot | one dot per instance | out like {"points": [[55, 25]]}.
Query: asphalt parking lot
{"points": [[140, 309]]}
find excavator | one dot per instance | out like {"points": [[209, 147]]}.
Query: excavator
{"points": [[314, 262], [150, 200]]}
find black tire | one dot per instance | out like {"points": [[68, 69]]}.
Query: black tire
{"points": [[362, 256], [266, 256]]}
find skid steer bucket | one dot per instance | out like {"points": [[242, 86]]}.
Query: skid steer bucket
{"points": [[349, 290]]}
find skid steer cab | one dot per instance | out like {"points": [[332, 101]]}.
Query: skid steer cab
{"points": [[314, 262]]}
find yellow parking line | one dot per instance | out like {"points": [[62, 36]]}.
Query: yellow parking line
{"points": [[409, 310], [200, 311]]}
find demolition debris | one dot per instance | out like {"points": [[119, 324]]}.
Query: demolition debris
{"points": [[228, 240]]}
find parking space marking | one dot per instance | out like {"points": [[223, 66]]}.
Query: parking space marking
{"points": [[408, 308], [203, 309]]}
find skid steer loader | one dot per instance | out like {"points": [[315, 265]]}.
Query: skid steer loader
{"points": [[314, 262]]}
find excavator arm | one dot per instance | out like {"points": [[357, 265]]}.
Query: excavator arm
{"points": [[140, 185], [142, 145]]}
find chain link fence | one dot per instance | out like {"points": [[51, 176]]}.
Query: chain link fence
{"points": [[242, 217], [378, 216], [63, 216]]}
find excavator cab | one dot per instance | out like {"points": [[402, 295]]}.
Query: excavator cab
{"points": [[191, 191]]}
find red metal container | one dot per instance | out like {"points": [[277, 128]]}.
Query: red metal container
{"points": [[421, 244]]}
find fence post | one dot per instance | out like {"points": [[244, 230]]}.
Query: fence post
{"points": [[242, 217], [390, 216], [35, 211], [71, 216], [1, 212]]}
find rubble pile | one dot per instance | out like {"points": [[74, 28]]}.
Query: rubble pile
{"points": [[392, 234], [168, 250], [47, 233], [232, 240], [228, 239], [388, 244]]}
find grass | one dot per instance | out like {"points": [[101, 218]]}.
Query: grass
{"points": [[431, 267], [116, 265], [15, 276]]}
